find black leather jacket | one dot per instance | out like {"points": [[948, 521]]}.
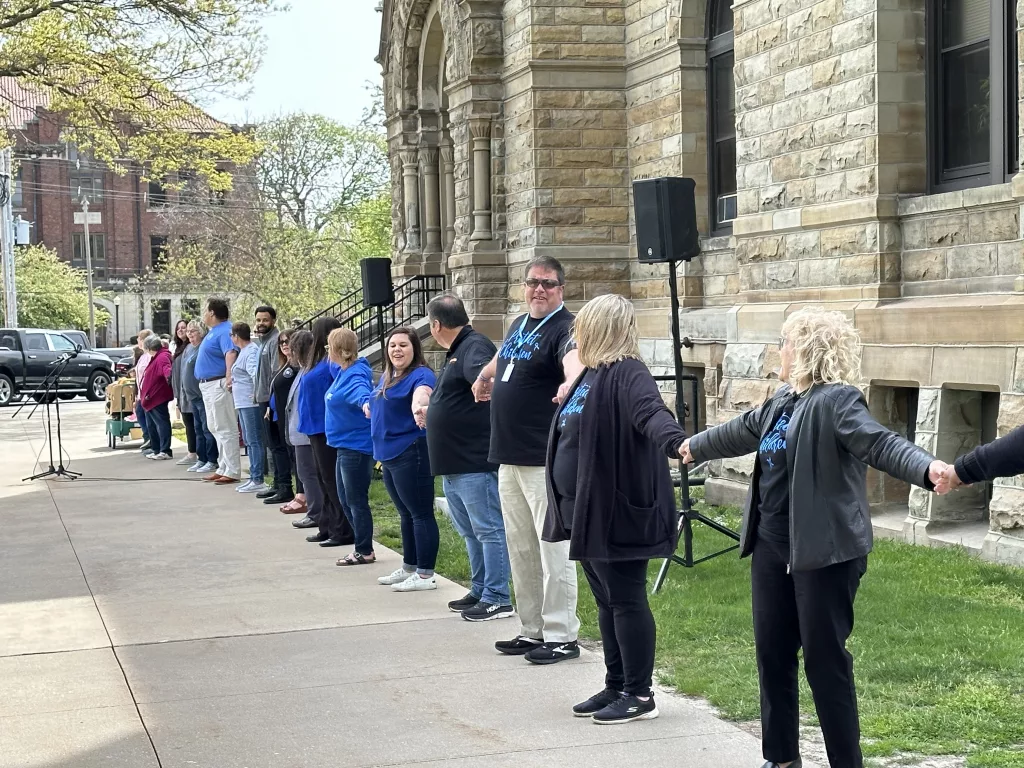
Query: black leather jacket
{"points": [[832, 439]]}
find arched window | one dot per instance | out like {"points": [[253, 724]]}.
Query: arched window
{"points": [[972, 92], [721, 115]]}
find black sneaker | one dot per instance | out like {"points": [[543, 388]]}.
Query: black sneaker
{"points": [[552, 653], [517, 646], [627, 708], [486, 611], [267, 493], [596, 703], [458, 606], [798, 763]]}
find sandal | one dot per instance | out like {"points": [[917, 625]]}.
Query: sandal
{"points": [[293, 507], [357, 559]]}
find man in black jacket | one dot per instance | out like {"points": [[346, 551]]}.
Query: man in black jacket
{"points": [[458, 440]]}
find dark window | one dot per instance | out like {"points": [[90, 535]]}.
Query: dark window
{"points": [[972, 90], [157, 194], [157, 252], [160, 309], [721, 115], [98, 246], [188, 195], [88, 185], [191, 309], [35, 341]]}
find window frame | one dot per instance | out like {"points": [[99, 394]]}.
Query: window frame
{"points": [[98, 245], [716, 46], [1003, 161]]}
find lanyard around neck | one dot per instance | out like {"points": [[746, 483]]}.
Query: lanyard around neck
{"points": [[533, 334]]}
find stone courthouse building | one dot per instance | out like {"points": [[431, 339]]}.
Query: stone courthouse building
{"points": [[859, 154]]}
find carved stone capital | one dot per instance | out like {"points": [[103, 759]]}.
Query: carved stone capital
{"points": [[480, 128], [428, 157]]}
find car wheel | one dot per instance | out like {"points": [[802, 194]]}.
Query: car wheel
{"points": [[41, 397], [96, 389], [6, 389]]}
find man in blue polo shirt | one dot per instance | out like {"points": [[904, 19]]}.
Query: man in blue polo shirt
{"points": [[213, 369]]}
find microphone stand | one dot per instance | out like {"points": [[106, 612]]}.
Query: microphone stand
{"points": [[52, 379]]}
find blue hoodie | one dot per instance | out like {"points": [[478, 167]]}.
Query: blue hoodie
{"points": [[312, 388], [347, 426]]}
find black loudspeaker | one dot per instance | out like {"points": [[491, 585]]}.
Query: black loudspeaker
{"points": [[378, 289], [666, 220]]}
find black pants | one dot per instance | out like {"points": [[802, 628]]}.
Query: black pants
{"points": [[278, 452], [812, 610], [626, 622], [333, 520], [190, 431]]}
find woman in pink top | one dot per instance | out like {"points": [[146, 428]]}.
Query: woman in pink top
{"points": [[140, 368]]}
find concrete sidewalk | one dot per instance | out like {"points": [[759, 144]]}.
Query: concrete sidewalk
{"points": [[168, 623]]}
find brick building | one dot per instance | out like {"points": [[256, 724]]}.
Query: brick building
{"points": [[860, 154], [130, 219]]}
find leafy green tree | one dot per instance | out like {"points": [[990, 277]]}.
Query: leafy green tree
{"points": [[123, 74], [52, 293]]}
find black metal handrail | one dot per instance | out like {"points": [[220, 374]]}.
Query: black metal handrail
{"points": [[371, 324]]}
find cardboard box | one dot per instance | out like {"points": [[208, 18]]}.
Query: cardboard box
{"points": [[136, 433]]}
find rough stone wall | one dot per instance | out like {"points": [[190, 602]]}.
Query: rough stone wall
{"points": [[961, 242]]}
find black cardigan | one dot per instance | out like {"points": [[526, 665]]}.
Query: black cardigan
{"points": [[625, 501], [1000, 458]]}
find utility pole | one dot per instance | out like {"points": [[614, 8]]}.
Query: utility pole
{"points": [[7, 243], [88, 272]]}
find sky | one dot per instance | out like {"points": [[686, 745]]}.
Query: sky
{"points": [[319, 58]]}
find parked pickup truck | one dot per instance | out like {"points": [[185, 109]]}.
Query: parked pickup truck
{"points": [[29, 355]]}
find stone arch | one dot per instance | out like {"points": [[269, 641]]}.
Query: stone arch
{"points": [[432, 56]]}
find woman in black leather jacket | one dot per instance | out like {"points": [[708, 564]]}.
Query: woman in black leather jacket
{"points": [[807, 524]]}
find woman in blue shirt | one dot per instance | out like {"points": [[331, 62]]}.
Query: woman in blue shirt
{"points": [[401, 447], [317, 379], [348, 431]]}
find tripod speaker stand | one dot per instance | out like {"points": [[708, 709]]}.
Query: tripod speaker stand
{"points": [[666, 233], [50, 382]]}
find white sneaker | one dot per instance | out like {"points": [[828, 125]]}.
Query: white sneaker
{"points": [[159, 457], [197, 467], [252, 487], [415, 583], [210, 466], [244, 487], [395, 577], [187, 460]]}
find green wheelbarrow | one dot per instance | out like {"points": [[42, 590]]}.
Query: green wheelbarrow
{"points": [[118, 427]]}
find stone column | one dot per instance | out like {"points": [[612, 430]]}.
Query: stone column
{"points": [[1005, 539], [448, 194], [480, 130], [431, 206], [411, 194]]}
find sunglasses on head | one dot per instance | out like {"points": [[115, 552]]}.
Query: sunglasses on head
{"points": [[534, 282]]}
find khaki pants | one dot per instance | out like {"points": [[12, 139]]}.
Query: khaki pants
{"points": [[542, 574], [223, 423]]}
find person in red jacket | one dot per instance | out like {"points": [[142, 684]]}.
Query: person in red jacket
{"points": [[155, 395]]}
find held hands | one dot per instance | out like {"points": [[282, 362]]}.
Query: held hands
{"points": [[366, 410], [949, 480], [563, 390], [937, 475], [482, 389], [419, 413], [684, 452]]}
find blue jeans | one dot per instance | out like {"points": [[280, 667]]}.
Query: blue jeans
{"points": [[355, 471], [206, 446], [411, 487], [140, 419], [475, 511], [252, 434], [159, 420]]}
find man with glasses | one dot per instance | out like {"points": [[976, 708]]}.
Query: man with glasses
{"points": [[522, 382], [267, 336]]}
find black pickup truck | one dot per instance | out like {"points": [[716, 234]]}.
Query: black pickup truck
{"points": [[29, 355]]}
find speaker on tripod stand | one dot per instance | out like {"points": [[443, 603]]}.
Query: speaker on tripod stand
{"points": [[666, 233]]}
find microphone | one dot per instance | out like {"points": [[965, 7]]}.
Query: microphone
{"points": [[67, 356]]}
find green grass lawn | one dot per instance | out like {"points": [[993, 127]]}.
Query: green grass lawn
{"points": [[938, 645]]}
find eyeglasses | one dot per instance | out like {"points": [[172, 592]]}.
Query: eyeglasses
{"points": [[533, 282]]}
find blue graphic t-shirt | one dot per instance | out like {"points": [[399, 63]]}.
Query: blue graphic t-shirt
{"points": [[773, 486], [528, 376], [565, 465]]}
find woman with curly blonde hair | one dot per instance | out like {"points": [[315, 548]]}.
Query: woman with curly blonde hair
{"points": [[807, 524]]}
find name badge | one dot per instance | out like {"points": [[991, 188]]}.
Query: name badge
{"points": [[508, 372]]}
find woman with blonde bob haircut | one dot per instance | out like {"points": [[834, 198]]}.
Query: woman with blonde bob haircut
{"points": [[807, 524], [610, 495]]}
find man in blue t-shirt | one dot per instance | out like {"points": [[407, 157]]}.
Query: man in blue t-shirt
{"points": [[214, 359]]}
